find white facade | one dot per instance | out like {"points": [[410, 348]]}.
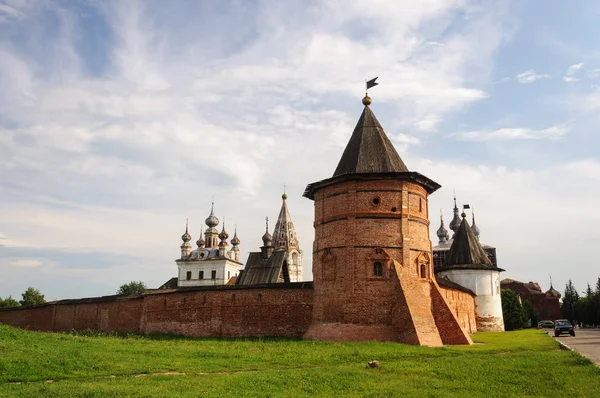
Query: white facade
{"points": [[211, 263], [485, 283], [206, 272]]}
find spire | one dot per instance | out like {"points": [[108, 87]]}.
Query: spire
{"points": [[474, 226], [284, 233], [466, 251], [369, 149], [455, 223], [442, 232]]}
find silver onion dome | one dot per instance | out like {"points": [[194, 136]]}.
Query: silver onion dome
{"points": [[212, 221]]}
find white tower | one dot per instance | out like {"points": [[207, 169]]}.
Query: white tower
{"points": [[468, 265]]}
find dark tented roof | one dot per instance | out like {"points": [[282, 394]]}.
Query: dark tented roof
{"points": [[369, 149], [259, 270], [466, 251]]}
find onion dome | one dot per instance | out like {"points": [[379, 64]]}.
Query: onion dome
{"points": [[455, 223], [267, 238], [474, 227], [235, 241], [186, 236], [442, 232], [212, 221], [223, 235], [200, 242], [553, 292]]}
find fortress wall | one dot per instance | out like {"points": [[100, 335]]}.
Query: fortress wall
{"points": [[230, 312], [275, 310], [462, 304], [34, 318]]}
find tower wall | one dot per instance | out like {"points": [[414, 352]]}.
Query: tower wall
{"points": [[361, 223], [485, 283]]}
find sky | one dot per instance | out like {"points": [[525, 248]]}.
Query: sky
{"points": [[121, 119]]}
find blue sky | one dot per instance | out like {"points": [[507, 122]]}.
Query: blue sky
{"points": [[119, 120]]}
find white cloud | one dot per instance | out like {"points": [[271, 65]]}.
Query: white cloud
{"points": [[26, 263], [553, 132], [571, 71], [530, 76], [574, 69]]}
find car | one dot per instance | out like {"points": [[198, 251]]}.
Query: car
{"points": [[545, 325], [563, 326]]}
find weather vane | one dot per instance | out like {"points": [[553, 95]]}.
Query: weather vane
{"points": [[369, 83]]}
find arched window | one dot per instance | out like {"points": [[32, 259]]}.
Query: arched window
{"points": [[295, 258], [377, 268], [423, 271]]}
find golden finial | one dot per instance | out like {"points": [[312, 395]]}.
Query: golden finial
{"points": [[367, 100]]}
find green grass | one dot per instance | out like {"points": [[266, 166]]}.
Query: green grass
{"points": [[520, 364]]}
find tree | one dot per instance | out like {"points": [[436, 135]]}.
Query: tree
{"points": [[132, 287], [571, 295], [570, 298], [32, 296], [8, 302], [513, 313], [532, 314]]}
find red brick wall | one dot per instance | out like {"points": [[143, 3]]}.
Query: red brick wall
{"points": [[462, 304], [37, 318], [232, 312]]}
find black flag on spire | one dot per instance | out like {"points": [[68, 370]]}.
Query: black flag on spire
{"points": [[371, 83]]}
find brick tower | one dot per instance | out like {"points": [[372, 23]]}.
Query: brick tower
{"points": [[372, 260]]}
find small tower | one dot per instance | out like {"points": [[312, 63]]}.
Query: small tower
{"points": [[186, 247], [212, 234], [468, 265]]}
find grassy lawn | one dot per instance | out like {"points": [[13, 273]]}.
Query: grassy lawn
{"points": [[524, 363]]}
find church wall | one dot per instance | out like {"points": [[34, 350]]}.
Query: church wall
{"points": [[283, 310]]}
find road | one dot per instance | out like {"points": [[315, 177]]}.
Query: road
{"points": [[586, 342]]}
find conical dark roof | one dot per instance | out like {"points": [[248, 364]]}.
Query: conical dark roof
{"points": [[369, 149], [466, 251]]}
